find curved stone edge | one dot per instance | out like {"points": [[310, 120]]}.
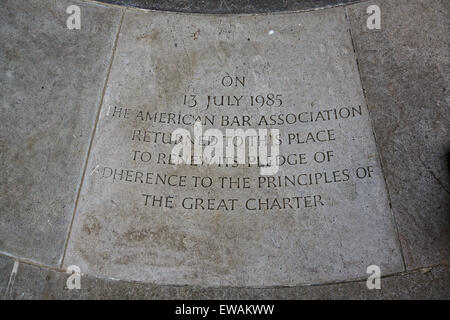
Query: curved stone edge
{"points": [[36, 282], [230, 6]]}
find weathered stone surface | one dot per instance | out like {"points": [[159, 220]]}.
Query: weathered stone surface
{"points": [[230, 6], [51, 81], [404, 67], [6, 266], [38, 283], [306, 58], [405, 74]]}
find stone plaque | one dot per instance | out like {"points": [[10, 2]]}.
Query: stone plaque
{"points": [[323, 214]]}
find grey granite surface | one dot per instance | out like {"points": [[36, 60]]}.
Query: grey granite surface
{"points": [[405, 73], [51, 81], [51, 87], [38, 283]]}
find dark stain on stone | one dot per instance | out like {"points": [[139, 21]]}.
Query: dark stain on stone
{"points": [[92, 226], [153, 36], [447, 157], [161, 236], [196, 34]]}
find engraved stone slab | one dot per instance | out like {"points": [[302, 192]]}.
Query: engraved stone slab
{"points": [[323, 216]]}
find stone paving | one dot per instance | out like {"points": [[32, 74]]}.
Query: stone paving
{"points": [[64, 124]]}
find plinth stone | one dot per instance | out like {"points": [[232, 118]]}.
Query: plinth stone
{"points": [[324, 216]]}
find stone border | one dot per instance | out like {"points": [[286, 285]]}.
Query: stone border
{"points": [[26, 281], [230, 6]]}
